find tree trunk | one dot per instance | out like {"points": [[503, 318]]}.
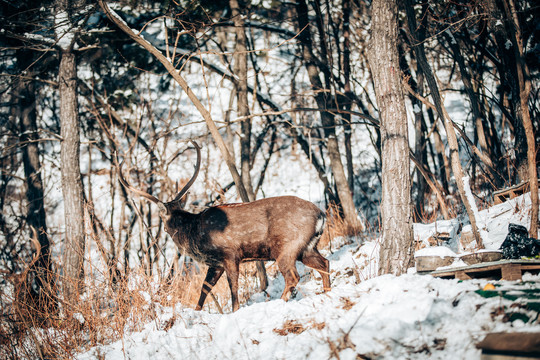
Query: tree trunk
{"points": [[328, 121], [396, 252], [240, 69], [420, 151], [346, 8], [72, 189]]}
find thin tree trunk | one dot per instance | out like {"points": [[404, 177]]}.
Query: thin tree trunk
{"points": [[396, 252], [72, 189], [524, 82], [328, 121], [346, 6], [444, 163], [297, 134], [475, 107], [499, 23], [433, 185], [450, 134], [420, 152], [35, 213], [240, 69]]}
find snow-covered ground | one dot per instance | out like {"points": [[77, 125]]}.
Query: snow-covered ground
{"points": [[363, 316]]}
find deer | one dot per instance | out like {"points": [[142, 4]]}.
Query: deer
{"points": [[284, 229]]}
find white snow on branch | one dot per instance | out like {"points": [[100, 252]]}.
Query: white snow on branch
{"points": [[64, 30], [469, 195], [38, 37]]}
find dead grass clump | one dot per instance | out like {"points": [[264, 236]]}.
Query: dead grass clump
{"points": [[290, 327], [294, 327], [347, 303], [336, 226], [182, 287], [103, 313]]}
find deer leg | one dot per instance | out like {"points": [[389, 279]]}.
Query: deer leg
{"points": [[212, 276], [290, 274], [232, 269], [315, 260]]}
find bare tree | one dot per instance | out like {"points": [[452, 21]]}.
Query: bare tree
{"points": [[244, 195], [396, 212], [324, 101], [35, 194], [241, 70], [522, 83], [72, 188], [441, 111]]}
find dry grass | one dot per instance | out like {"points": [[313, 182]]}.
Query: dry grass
{"points": [[111, 306], [105, 312], [290, 327], [102, 315], [295, 327], [336, 226]]}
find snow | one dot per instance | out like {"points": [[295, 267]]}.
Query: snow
{"points": [[364, 315], [63, 30], [440, 251], [411, 316], [422, 232]]}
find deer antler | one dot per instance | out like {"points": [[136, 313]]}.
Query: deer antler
{"points": [[186, 187], [152, 198], [136, 191]]}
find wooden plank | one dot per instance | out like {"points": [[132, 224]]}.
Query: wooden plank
{"points": [[502, 269], [462, 275], [511, 272], [485, 356], [514, 344]]}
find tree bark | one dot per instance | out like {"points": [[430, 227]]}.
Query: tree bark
{"points": [[346, 9], [396, 251], [72, 189], [240, 70]]}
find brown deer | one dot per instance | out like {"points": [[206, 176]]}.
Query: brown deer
{"points": [[284, 229]]}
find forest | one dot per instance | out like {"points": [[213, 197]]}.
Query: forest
{"points": [[383, 113]]}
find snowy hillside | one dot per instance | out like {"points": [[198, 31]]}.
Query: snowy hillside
{"points": [[363, 316]]}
